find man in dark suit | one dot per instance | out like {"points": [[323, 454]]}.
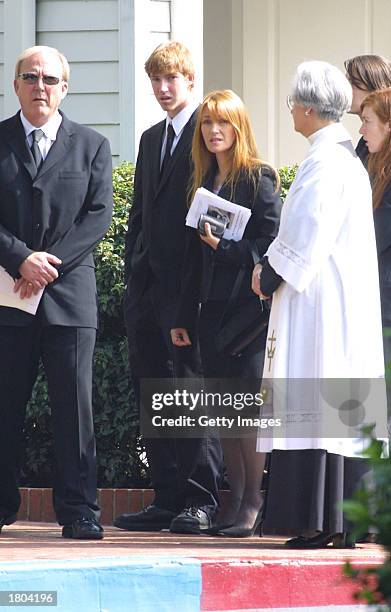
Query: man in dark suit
{"points": [[55, 206], [185, 473]]}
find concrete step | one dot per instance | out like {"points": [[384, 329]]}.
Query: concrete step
{"points": [[164, 572]]}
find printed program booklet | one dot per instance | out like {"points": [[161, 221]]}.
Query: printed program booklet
{"points": [[13, 300], [206, 202]]}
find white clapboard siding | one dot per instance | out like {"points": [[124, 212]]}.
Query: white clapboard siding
{"points": [[83, 46], [94, 77], [86, 31], [111, 132], [92, 108], [78, 15], [94, 39]]}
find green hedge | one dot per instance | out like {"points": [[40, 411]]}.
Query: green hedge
{"points": [[116, 417]]}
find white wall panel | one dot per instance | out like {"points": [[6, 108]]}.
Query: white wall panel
{"points": [[159, 16], [381, 27], [218, 45], [270, 38]]}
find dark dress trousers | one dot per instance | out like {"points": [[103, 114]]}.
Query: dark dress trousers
{"points": [[184, 472], [64, 209], [209, 276]]}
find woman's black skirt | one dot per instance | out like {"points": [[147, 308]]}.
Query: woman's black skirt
{"points": [[306, 489]]}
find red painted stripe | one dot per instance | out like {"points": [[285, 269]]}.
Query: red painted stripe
{"points": [[249, 585]]}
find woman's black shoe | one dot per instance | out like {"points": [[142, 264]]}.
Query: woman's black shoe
{"points": [[243, 532], [295, 542], [321, 540], [216, 528]]}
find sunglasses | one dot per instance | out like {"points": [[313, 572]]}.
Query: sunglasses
{"points": [[31, 78]]}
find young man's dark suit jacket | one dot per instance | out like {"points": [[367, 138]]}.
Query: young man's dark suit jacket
{"points": [[154, 252], [156, 236], [64, 209]]}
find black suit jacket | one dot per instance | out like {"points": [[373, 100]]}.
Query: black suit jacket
{"points": [[155, 240], [209, 274], [64, 210], [362, 151], [382, 220]]}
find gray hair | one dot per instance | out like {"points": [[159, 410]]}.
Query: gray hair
{"points": [[324, 88], [43, 49]]}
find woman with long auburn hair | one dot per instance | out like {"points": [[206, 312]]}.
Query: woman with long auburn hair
{"points": [[242, 157], [376, 132], [226, 162]]}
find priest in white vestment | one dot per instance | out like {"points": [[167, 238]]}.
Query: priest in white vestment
{"points": [[325, 320]]}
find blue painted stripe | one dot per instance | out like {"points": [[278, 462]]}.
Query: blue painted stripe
{"points": [[355, 608], [111, 584]]}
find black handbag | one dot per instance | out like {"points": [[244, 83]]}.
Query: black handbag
{"points": [[240, 328]]}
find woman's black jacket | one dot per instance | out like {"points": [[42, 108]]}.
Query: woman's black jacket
{"points": [[210, 275]]}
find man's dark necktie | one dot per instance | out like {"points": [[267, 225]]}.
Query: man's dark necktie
{"points": [[35, 150], [169, 141]]}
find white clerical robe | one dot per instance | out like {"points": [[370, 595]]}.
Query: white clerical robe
{"points": [[325, 320]]}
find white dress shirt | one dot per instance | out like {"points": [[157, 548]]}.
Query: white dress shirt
{"points": [[49, 130], [178, 124]]}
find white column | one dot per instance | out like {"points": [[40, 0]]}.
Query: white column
{"points": [[19, 33], [134, 40], [187, 27]]}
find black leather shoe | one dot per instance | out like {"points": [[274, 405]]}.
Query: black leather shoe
{"points": [[83, 529], [322, 540], [151, 518], [7, 520], [191, 520]]}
